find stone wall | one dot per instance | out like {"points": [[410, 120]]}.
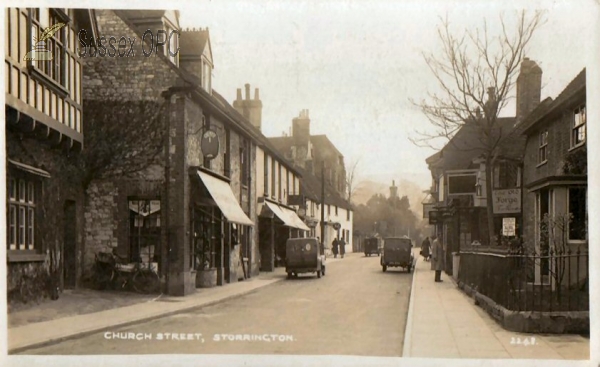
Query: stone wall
{"points": [[27, 280]]}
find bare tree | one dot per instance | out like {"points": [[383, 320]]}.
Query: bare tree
{"points": [[121, 138], [351, 185], [476, 72]]}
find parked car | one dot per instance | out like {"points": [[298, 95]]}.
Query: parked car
{"points": [[372, 246], [304, 255], [397, 252]]}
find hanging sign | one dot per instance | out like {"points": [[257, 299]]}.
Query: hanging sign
{"points": [[337, 226], [209, 144], [144, 207]]}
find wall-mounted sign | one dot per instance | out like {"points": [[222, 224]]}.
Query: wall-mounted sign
{"points": [[509, 226], [209, 144], [506, 201]]}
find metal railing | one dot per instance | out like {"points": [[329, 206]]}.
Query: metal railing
{"points": [[539, 282]]}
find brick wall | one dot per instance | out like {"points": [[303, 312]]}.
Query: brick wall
{"points": [[559, 130]]}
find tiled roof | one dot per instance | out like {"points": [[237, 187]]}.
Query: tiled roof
{"points": [[262, 139], [310, 186], [193, 42], [285, 143], [466, 145]]}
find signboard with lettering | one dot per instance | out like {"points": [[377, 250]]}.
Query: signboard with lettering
{"points": [[509, 226], [506, 201]]}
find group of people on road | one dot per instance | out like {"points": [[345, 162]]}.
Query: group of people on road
{"points": [[434, 251], [338, 246]]}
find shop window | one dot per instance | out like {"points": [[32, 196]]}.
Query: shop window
{"points": [[144, 230], [462, 184], [578, 210], [578, 127], [543, 147], [21, 219]]}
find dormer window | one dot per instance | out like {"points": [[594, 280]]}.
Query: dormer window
{"points": [[172, 49]]}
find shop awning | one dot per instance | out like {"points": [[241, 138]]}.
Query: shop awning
{"points": [[223, 195], [287, 216]]}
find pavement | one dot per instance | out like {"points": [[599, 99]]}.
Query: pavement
{"points": [[82, 312], [443, 322]]}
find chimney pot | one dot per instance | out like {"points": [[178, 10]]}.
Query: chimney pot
{"points": [[239, 94], [247, 91], [256, 97]]}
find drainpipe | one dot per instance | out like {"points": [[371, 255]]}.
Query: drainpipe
{"points": [[167, 260]]}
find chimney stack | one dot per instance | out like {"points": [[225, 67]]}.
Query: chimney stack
{"points": [[529, 88], [251, 109], [301, 129]]}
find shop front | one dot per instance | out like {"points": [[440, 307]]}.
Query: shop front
{"points": [[277, 223], [221, 231]]}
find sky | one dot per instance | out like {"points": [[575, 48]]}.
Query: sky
{"points": [[356, 65]]}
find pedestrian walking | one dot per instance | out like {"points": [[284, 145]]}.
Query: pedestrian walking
{"points": [[334, 247], [425, 249], [437, 258], [342, 247]]}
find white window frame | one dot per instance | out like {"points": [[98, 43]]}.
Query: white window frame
{"points": [[543, 147], [578, 124], [21, 214]]}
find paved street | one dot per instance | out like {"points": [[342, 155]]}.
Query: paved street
{"points": [[356, 309]]}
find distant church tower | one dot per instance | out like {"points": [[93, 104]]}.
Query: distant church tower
{"points": [[393, 190]]}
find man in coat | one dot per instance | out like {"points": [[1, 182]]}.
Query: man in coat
{"points": [[342, 247], [425, 246], [437, 257], [334, 247]]}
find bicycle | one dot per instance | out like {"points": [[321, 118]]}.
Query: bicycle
{"points": [[112, 270]]}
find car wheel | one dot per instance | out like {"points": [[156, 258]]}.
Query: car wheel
{"points": [[384, 268], [289, 275], [323, 270], [318, 273]]}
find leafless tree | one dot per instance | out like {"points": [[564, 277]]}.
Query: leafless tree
{"points": [[351, 184], [476, 71]]}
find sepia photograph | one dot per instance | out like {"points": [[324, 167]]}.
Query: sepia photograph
{"points": [[301, 183]]}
